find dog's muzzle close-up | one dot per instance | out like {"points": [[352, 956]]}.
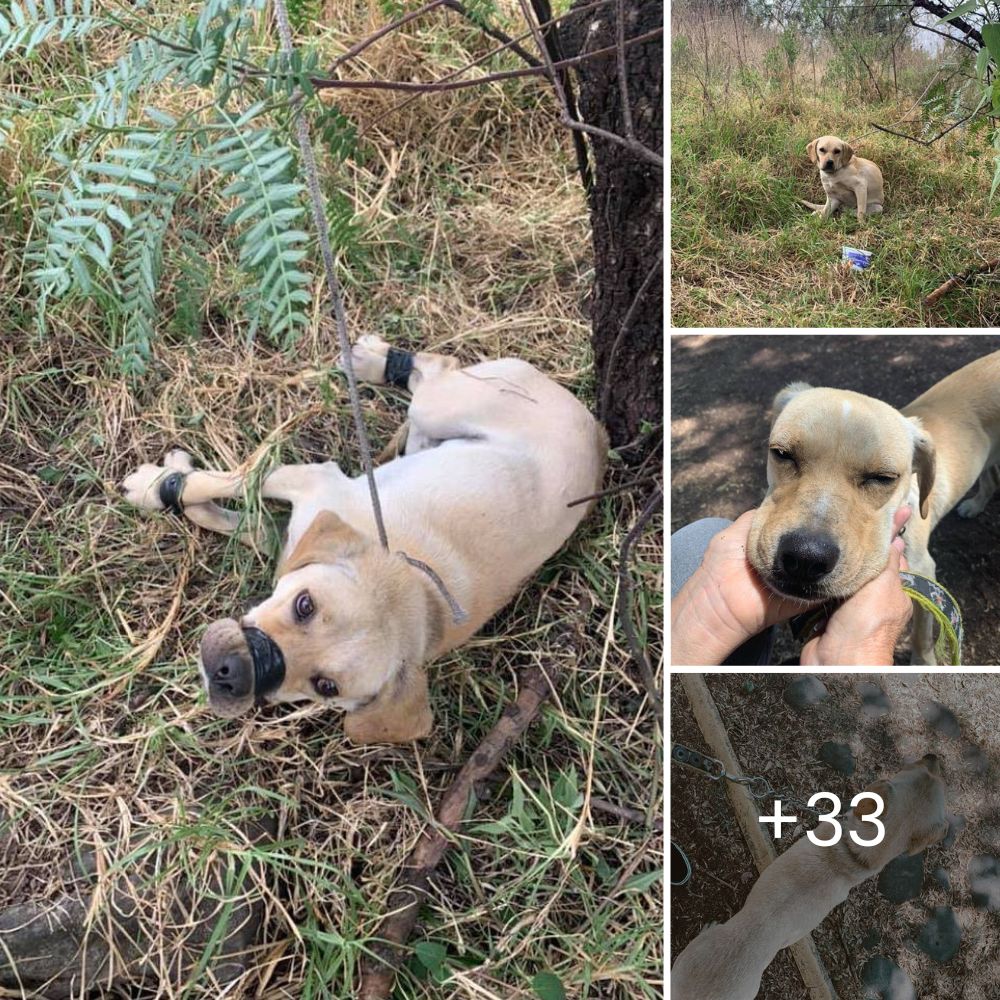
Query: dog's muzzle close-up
{"points": [[240, 666], [802, 561]]}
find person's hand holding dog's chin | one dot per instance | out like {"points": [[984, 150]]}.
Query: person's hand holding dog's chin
{"points": [[864, 630], [724, 602]]}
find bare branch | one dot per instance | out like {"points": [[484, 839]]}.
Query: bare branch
{"points": [[340, 318], [378, 973], [495, 33], [625, 607], [622, 74], [437, 87], [550, 36], [565, 118], [960, 279], [386, 29], [925, 142]]}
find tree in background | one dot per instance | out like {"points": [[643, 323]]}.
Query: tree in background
{"points": [[626, 207]]}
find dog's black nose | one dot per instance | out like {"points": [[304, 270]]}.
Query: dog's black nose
{"points": [[828, 165], [804, 557], [231, 677]]}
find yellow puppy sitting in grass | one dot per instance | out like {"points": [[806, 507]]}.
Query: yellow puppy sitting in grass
{"points": [[847, 179]]}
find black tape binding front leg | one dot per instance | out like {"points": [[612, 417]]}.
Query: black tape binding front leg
{"points": [[398, 366], [171, 487]]}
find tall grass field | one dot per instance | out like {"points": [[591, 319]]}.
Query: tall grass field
{"points": [[746, 253]]}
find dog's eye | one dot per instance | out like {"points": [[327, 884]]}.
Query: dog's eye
{"points": [[304, 606], [881, 479], [781, 455], [325, 687]]}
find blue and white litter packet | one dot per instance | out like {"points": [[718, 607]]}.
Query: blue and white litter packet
{"points": [[860, 259]]}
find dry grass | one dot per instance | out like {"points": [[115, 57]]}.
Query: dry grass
{"points": [[116, 783]]}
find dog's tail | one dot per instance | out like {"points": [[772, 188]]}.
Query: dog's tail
{"points": [[809, 204]]}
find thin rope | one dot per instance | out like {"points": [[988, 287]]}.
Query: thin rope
{"points": [[333, 287]]}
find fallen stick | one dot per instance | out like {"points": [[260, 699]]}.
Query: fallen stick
{"points": [[378, 970], [960, 279]]}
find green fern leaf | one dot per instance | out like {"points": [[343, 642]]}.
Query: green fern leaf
{"points": [[269, 215]]}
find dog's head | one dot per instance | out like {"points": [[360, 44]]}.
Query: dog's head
{"points": [[830, 153], [913, 812], [327, 634], [839, 466]]}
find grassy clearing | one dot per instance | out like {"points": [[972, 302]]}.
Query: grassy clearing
{"points": [[746, 253], [473, 239]]}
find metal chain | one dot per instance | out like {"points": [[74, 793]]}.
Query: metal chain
{"points": [[757, 785]]}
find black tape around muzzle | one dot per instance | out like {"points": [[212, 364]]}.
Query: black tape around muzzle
{"points": [[268, 663]]}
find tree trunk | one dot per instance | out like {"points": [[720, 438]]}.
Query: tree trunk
{"points": [[626, 206]]}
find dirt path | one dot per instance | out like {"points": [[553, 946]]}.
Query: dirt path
{"points": [[721, 391]]}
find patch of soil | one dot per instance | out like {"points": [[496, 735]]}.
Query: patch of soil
{"points": [[721, 388], [782, 743]]}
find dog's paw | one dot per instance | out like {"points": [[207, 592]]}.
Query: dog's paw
{"points": [[140, 487], [368, 356], [968, 508], [178, 460]]}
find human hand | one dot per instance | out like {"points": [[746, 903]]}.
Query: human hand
{"points": [[864, 630], [724, 602]]}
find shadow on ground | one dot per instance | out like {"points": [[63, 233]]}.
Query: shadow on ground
{"points": [[886, 720], [721, 391]]}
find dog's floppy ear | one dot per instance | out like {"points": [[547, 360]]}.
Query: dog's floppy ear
{"points": [[328, 539], [924, 463], [848, 155], [400, 712], [787, 395], [811, 150], [883, 789]]}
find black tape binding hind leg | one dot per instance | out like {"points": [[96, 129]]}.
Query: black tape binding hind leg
{"points": [[398, 366]]}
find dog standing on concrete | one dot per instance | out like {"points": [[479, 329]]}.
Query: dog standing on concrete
{"points": [[840, 464], [493, 454], [799, 888]]}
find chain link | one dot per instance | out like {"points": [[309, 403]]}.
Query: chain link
{"points": [[757, 785]]}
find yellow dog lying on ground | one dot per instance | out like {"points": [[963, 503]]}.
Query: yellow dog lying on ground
{"points": [[493, 454]]}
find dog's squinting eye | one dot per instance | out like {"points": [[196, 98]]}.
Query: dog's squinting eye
{"points": [[304, 607], [325, 688], [781, 455], [881, 479]]}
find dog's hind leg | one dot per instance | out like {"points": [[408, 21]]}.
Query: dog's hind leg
{"points": [[376, 361], [986, 486]]}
